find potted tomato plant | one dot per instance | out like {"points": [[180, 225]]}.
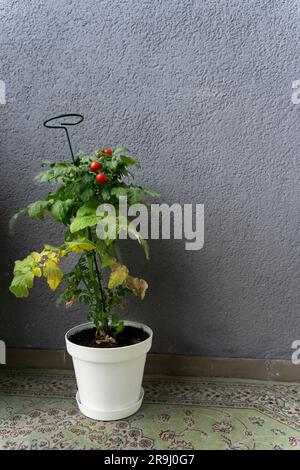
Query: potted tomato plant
{"points": [[108, 353]]}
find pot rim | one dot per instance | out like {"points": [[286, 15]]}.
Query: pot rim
{"points": [[82, 326]]}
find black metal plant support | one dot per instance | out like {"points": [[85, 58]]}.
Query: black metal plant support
{"points": [[64, 125], [52, 124]]}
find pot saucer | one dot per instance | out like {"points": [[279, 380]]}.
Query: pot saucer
{"points": [[106, 415]]}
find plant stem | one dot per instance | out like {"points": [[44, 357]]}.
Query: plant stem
{"points": [[87, 286], [97, 272]]}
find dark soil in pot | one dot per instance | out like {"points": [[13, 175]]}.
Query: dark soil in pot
{"points": [[129, 336]]}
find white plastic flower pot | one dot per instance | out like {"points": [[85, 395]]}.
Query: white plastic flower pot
{"points": [[109, 380]]}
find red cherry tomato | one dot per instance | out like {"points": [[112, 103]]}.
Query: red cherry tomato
{"points": [[107, 151], [95, 166], [101, 178]]}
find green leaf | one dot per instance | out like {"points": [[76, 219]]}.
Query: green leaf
{"points": [[106, 261], [74, 236], [118, 150], [21, 283], [85, 217], [48, 163], [150, 192], [86, 194], [23, 276], [56, 172], [44, 176], [105, 194], [113, 164], [120, 327], [87, 209], [24, 265], [81, 222], [129, 161], [118, 192], [37, 209], [134, 195], [115, 319], [60, 209], [63, 164], [117, 323], [57, 211]]}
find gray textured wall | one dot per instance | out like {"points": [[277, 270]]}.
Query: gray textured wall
{"points": [[200, 90]]}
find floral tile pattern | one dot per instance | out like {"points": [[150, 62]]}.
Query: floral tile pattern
{"points": [[38, 411]]}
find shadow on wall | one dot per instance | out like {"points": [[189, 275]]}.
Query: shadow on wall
{"points": [[173, 287]]}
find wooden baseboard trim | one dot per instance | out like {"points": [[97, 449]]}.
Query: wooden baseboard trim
{"points": [[168, 364]]}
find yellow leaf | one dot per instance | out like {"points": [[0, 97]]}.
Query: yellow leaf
{"points": [[37, 271], [80, 246], [36, 256], [50, 255], [51, 248], [117, 276], [52, 273]]}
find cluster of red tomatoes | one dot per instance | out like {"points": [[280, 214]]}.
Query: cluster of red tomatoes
{"points": [[96, 166]]}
